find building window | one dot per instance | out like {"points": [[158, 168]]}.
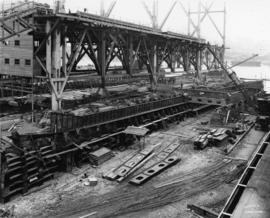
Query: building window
{"points": [[6, 60], [36, 43], [17, 61], [27, 62], [17, 42]]}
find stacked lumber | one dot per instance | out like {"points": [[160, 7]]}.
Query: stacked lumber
{"points": [[24, 169], [100, 156]]}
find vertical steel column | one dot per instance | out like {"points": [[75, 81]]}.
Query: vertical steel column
{"points": [[173, 62], [102, 61], [154, 67], [186, 60], [56, 68], [64, 54], [130, 57], [49, 60], [198, 63], [224, 34]]}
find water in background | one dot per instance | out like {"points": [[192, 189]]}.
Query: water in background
{"points": [[262, 72]]}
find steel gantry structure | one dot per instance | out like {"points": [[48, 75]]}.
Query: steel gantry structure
{"points": [[62, 39]]}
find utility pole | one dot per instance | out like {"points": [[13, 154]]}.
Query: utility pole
{"points": [[188, 15], [102, 9], [224, 31], [199, 20]]}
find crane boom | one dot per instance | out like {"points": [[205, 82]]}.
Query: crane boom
{"points": [[148, 12], [232, 75], [244, 61], [167, 16], [111, 7]]}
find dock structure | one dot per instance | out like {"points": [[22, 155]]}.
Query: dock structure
{"points": [[250, 197], [38, 42]]}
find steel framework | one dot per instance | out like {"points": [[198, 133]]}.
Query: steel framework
{"points": [[63, 39]]}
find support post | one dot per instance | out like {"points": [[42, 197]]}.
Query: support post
{"points": [[224, 34], [130, 55], [154, 67], [186, 60], [49, 59], [102, 62], [56, 68], [64, 57], [173, 62]]}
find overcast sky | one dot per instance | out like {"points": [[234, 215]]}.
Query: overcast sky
{"points": [[248, 21]]}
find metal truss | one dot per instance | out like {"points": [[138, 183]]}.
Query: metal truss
{"points": [[102, 45], [19, 19], [65, 39]]}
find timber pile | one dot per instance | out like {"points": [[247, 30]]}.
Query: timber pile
{"points": [[100, 156], [23, 169]]}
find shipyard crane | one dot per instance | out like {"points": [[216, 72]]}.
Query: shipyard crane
{"points": [[243, 61], [231, 74]]}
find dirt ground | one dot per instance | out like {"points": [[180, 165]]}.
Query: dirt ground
{"points": [[68, 187]]}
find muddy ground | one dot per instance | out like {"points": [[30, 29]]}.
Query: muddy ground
{"points": [[68, 187]]}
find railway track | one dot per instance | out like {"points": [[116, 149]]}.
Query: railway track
{"points": [[149, 197]]}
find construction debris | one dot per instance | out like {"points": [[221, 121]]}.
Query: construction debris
{"points": [[213, 137]]}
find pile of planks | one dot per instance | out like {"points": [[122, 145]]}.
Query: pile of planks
{"points": [[100, 156]]}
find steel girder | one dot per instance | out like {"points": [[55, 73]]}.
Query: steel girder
{"points": [[103, 44]]}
